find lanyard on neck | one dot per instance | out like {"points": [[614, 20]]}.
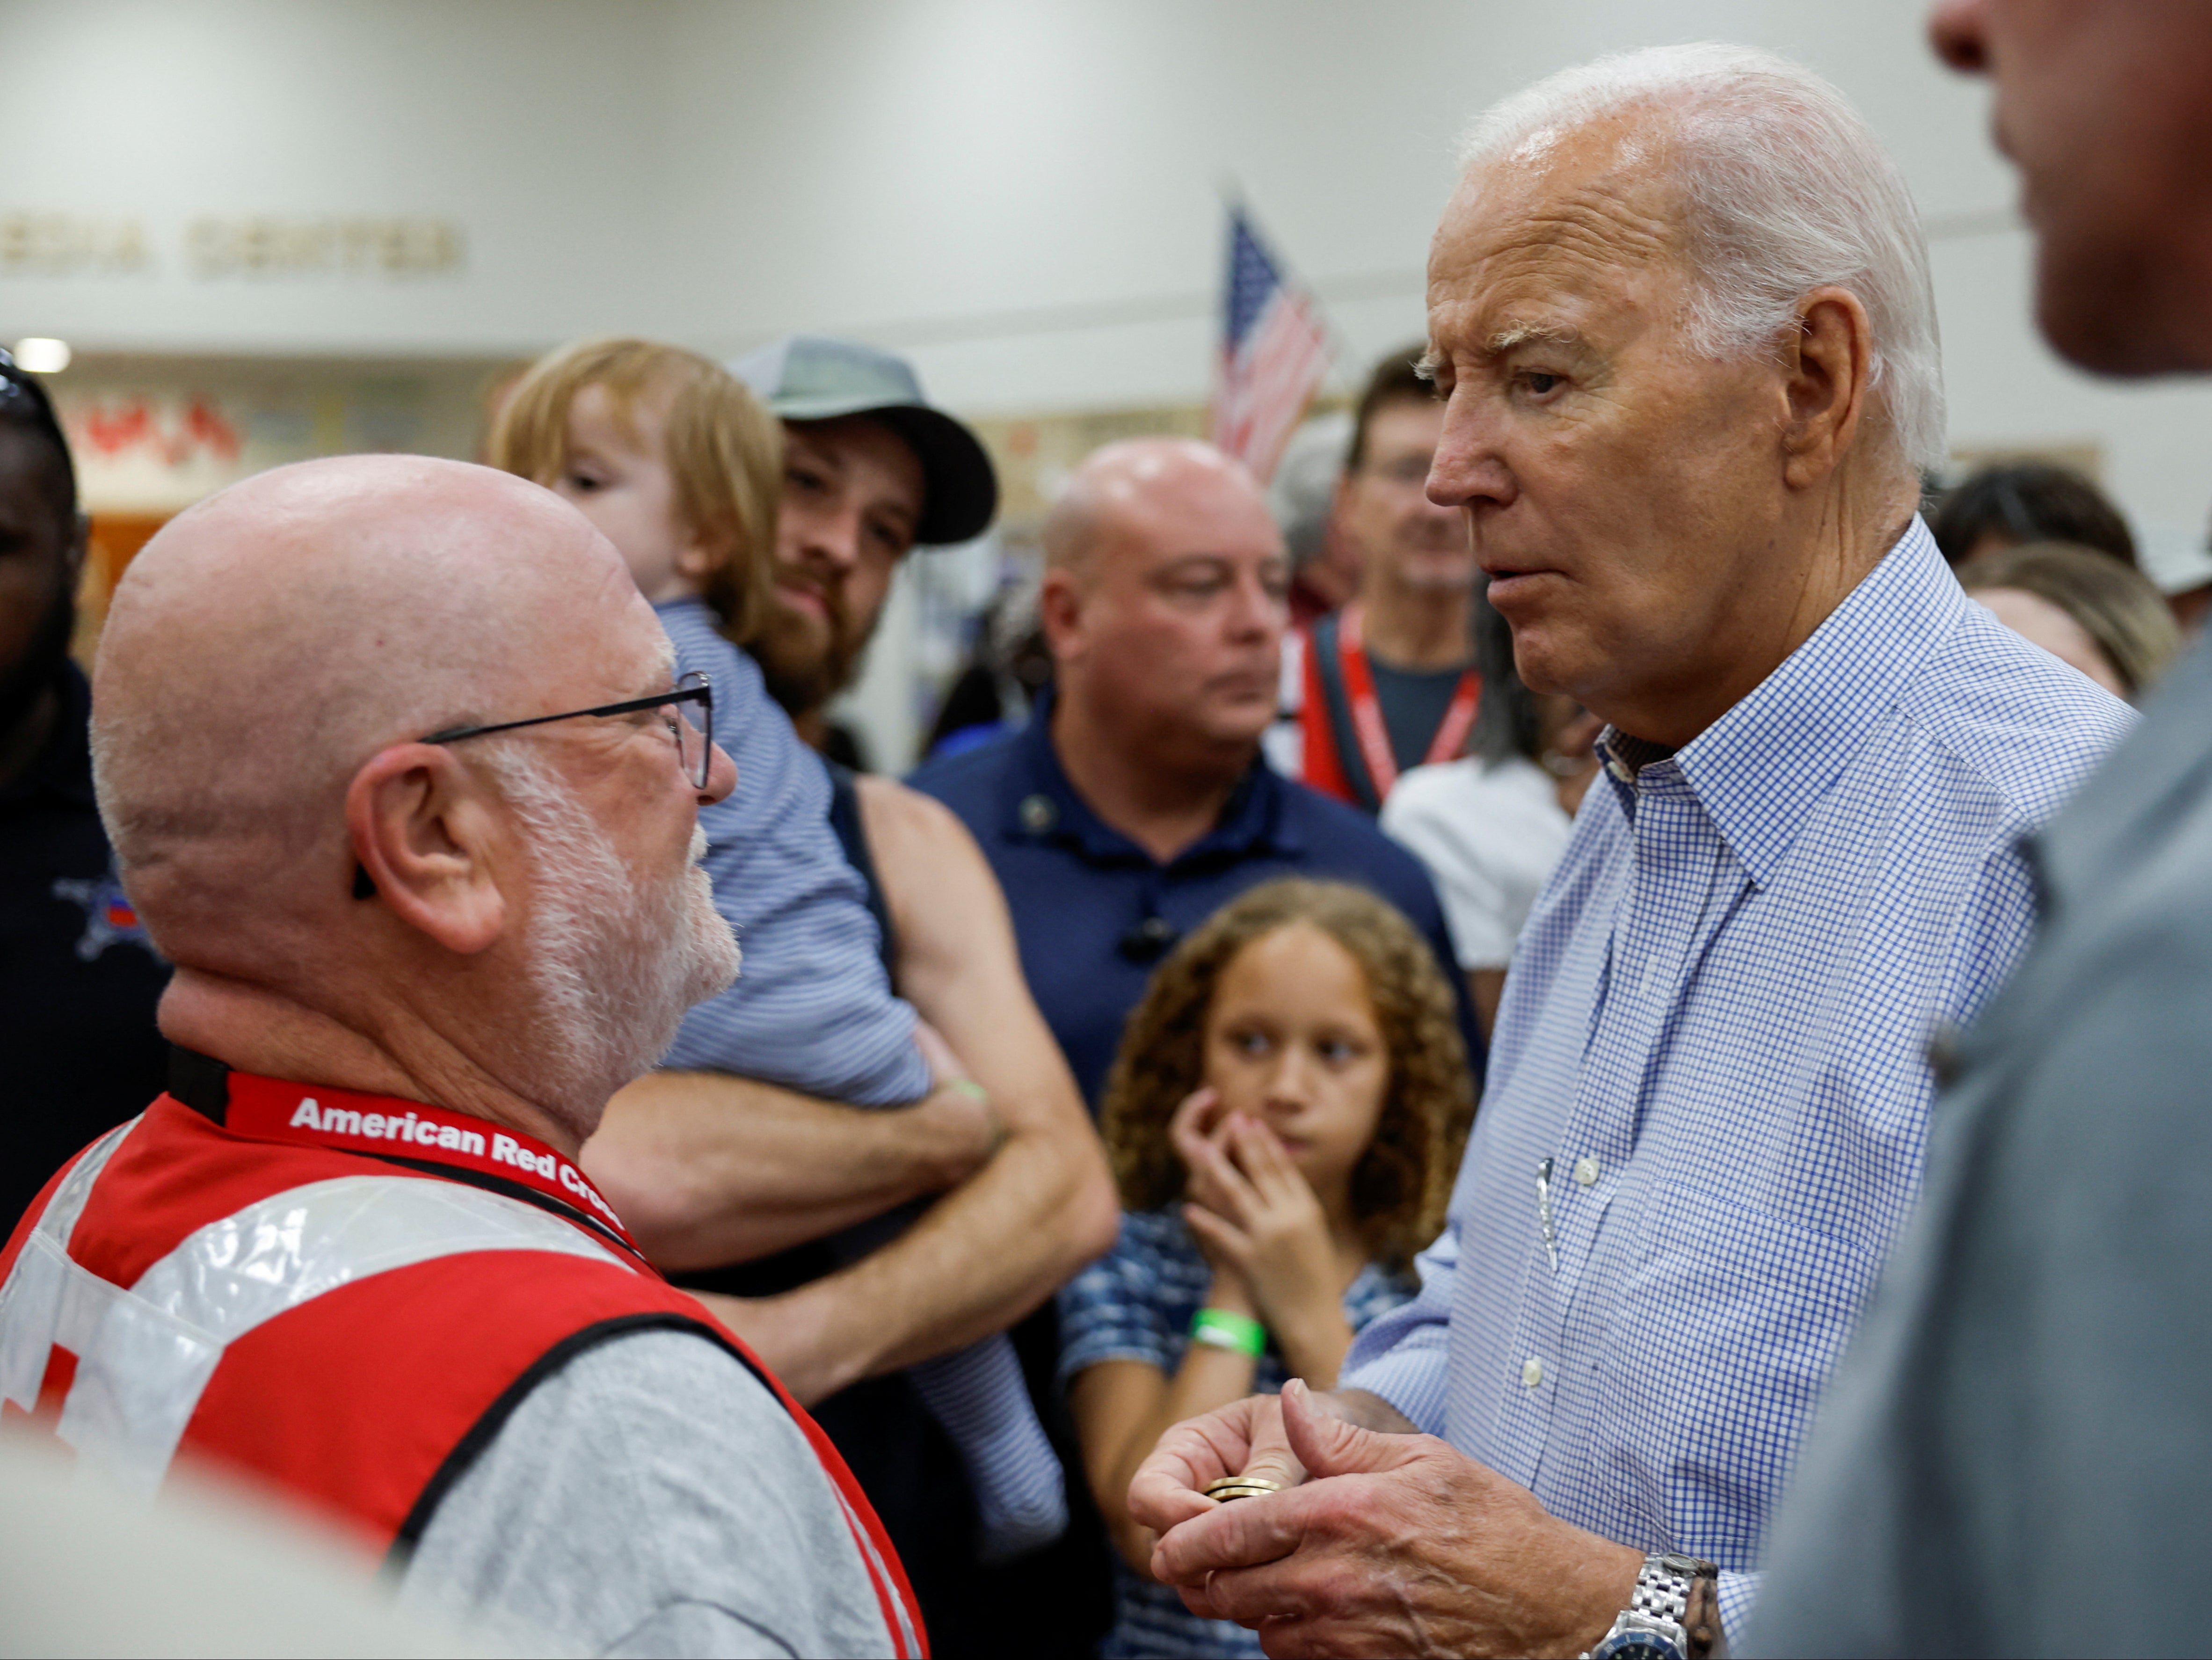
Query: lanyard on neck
{"points": [[1367, 723], [316, 1116]]}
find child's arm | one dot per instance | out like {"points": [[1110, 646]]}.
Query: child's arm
{"points": [[1122, 1407]]}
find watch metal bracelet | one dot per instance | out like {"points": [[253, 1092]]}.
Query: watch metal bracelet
{"points": [[1662, 1588]]}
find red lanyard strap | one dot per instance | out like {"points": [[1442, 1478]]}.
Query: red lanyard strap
{"points": [[314, 1115], [1367, 723]]}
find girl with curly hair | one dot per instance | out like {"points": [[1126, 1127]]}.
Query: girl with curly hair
{"points": [[1284, 1118]]}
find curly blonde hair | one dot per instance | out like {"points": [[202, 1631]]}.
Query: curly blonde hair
{"points": [[1403, 1181], [725, 452]]}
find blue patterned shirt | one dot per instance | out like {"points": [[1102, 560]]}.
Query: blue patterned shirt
{"points": [[812, 1008], [1716, 1032], [1135, 1304]]}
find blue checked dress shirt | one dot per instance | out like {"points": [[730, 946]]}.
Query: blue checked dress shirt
{"points": [[1715, 1035]]}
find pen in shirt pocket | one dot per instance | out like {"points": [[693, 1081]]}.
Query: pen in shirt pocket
{"points": [[1544, 1212]]}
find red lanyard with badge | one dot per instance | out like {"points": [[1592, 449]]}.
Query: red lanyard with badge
{"points": [[1367, 723], [409, 1131]]}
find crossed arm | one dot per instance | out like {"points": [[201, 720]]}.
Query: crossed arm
{"points": [[698, 1193], [711, 1169]]}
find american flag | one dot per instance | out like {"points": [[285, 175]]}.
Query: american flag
{"points": [[1273, 354]]}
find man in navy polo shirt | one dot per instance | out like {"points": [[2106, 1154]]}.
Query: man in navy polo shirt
{"points": [[1135, 803]]}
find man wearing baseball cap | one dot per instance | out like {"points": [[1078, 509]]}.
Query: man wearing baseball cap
{"points": [[870, 470]]}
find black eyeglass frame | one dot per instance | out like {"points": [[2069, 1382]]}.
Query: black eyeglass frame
{"points": [[692, 688]]}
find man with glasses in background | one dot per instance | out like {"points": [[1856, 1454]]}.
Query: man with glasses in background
{"points": [[1388, 682]]}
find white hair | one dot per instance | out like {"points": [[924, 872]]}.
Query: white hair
{"points": [[1788, 190], [1303, 493]]}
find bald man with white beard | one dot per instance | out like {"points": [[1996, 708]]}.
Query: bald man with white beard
{"points": [[397, 779]]}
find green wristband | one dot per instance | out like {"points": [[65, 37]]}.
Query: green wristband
{"points": [[1240, 1334]]}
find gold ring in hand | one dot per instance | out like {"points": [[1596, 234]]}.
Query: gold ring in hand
{"points": [[1241, 1487]]}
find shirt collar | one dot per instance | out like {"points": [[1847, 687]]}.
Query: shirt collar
{"points": [[1760, 770], [1041, 805]]}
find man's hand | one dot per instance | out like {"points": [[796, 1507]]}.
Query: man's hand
{"points": [[963, 1123], [780, 1336], [707, 1168], [1245, 1437], [1391, 1545], [963, 1103]]}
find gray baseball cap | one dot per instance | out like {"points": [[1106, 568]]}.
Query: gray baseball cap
{"points": [[805, 377]]}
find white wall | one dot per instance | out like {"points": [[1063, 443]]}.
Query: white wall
{"points": [[1022, 192], [532, 123]]}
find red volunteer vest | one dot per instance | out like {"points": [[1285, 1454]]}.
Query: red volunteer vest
{"points": [[344, 1294]]}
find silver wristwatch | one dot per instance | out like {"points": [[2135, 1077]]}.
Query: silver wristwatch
{"points": [[1651, 1626]]}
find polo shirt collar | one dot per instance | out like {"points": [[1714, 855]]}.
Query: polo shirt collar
{"points": [[1758, 771], [1041, 806]]}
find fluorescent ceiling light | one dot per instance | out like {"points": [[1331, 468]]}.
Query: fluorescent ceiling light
{"points": [[41, 356]]}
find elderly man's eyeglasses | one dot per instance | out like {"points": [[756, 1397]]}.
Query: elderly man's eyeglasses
{"points": [[695, 744]]}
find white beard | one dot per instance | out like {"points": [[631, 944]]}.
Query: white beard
{"points": [[615, 959]]}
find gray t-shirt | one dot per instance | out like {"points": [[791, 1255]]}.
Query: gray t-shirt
{"points": [[650, 1498], [2015, 1454]]}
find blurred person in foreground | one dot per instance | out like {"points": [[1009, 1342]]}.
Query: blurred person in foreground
{"points": [[78, 977], [1679, 310], [1388, 682], [2017, 502], [742, 1164], [429, 878], [1135, 801], [1491, 827], [1285, 1117], [2016, 1456], [2083, 607]]}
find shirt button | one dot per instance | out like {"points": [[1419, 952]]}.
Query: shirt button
{"points": [[1621, 771], [1038, 814], [1531, 1372], [1586, 1170]]}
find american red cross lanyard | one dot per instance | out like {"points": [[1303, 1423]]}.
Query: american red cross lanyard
{"points": [[314, 1115], [1367, 709]]}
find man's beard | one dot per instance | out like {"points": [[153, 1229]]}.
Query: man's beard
{"points": [[803, 668], [615, 959]]}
